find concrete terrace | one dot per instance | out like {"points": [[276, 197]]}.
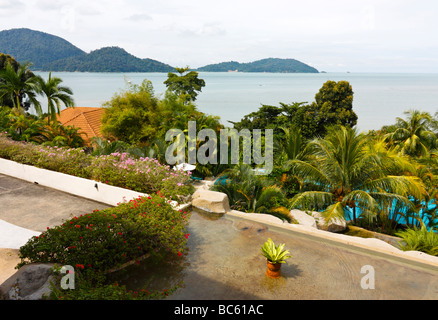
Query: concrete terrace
{"points": [[318, 269]]}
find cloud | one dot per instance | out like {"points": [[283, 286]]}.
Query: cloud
{"points": [[10, 4], [10, 7], [140, 17], [204, 30], [336, 34]]}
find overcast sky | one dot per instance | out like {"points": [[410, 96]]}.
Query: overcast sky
{"points": [[334, 36]]}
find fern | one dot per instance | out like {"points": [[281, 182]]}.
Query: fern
{"points": [[419, 240]]}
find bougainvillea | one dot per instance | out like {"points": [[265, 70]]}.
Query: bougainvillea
{"points": [[100, 242], [146, 175]]}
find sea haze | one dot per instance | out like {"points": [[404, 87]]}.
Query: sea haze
{"points": [[378, 98]]}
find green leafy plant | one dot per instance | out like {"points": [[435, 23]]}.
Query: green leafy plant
{"points": [[275, 253], [419, 240], [97, 243]]}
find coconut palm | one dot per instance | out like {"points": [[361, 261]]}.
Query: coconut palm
{"points": [[292, 144], [15, 84], [348, 172], [413, 136], [57, 134], [289, 146], [55, 94]]}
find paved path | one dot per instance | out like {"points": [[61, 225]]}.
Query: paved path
{"points": [[26, 210]]}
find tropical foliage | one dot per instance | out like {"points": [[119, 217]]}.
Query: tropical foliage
{"points": [[137, 117], [144, 175], [55, 93], [419, 239], [249, 192], [14, 84], [413, 136], [347, 172], [333, 105]]}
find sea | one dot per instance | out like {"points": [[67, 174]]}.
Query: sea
{"points": [[379, 98]]}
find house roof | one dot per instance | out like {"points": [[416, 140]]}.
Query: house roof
{"points": [[86, 118]]}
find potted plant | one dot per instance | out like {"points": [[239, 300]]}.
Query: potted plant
{"points": [[275, 256]]}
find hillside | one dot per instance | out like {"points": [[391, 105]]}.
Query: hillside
{"points": [[264, 65], [51, 53], [40, 48], [109, 59]]}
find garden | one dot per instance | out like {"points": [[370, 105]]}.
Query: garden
{"points": [[383, 181]]}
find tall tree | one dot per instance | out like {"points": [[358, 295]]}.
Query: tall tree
{"points": [[55, 94], [186, 85], [134, 115], [334, 105], [16, 84]]}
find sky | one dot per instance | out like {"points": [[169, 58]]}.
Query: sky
{"points": [[333, 36]]}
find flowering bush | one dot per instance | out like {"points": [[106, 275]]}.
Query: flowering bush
{"points": [[101, 241], [106, 239], [141, 174], [144, 175]]}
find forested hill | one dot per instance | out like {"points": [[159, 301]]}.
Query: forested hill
{"points": [[40, 48], [51, 53], [109, 59], [264, 65]]}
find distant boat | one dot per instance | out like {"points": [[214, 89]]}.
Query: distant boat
{"points": [[233, 70]]}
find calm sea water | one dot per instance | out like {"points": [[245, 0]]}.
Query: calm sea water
{"points": [[378, 98]]}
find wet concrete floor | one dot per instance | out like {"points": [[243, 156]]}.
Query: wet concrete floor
{"points": [[224, 263]]}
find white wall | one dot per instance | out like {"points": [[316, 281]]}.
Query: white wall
{"points": [[81, 187]]}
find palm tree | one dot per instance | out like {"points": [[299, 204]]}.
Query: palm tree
{"points": [[57, 134], [290, 146], [55, 94], [413, 136], [348, 172], [102, 146], [15, 83]]}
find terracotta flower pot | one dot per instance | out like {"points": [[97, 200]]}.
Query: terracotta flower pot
{"points": [[274, 270]]}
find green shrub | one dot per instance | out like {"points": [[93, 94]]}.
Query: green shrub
{"points": [[419, 240], [86, 291], [106, 239], [65, 160], [102, 241]]}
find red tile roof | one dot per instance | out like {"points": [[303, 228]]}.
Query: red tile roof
{"points": [[86, 118]]}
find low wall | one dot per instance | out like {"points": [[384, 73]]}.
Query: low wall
{"points": [[81, 187]]}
